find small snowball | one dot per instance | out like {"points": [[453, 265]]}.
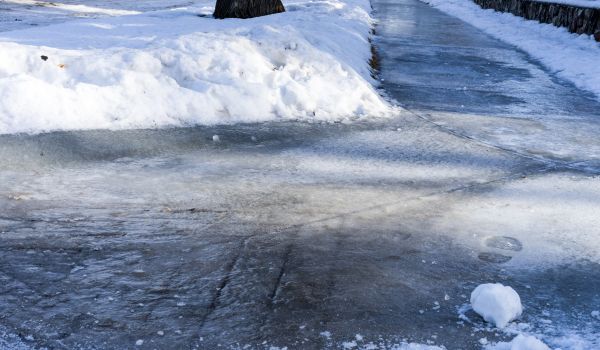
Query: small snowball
{"points": [[161, 333], [139, 342], [496, 303], [216, 138]]}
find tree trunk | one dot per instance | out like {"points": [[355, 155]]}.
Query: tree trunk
{"points": [[247, 8]]}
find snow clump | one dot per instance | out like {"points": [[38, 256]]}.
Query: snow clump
{"points": [[520, 342], [496, 303]]}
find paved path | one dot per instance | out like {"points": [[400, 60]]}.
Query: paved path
{"points": [[305, 235]]}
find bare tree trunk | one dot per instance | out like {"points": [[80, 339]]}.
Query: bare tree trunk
{"points": [[247, 8]]}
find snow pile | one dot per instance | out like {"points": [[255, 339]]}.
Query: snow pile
{"points": [[520, 342], [572, 57], [496, 303], [174, 68]]}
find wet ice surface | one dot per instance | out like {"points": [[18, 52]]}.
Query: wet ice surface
{"points": [[317, 235]]}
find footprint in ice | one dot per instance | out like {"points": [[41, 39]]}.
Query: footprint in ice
{"points": [[504, 243], [494, 257]]}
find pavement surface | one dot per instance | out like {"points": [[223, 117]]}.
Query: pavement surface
{"points": [[317, 236]]}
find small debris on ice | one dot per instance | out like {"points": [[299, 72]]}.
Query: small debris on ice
{"points": [[216, 138], [326, 334], [139, 342], [496, 303], [161, 333], [359, 337], [349, 344], [596, 314]]}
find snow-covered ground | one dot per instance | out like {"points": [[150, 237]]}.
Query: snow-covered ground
{"points": [[582, 3], [571, 56], [136, 69]]}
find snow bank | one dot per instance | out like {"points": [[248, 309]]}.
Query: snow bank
{"points": [[496, 303], [174, 68], [572, 57]]}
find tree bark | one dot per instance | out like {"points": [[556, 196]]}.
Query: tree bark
{"points": [[247, 8]]}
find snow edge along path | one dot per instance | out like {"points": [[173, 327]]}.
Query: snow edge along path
{"points": [[174, 68], [572, 57]]}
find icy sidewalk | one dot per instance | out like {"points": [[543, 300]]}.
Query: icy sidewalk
{"points": [[174, 68], [570, 56], [541, 226]]}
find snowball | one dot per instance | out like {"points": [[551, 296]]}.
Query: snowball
{"points": [[496, 303], [520, 342]]}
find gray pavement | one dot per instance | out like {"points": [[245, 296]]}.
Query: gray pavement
{"points": [[307, 235]]}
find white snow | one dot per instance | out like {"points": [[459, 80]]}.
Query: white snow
{"points": [[570, 56], [520, 342], [173, 68], [496, 303], [74, 8], [582, 3]]}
